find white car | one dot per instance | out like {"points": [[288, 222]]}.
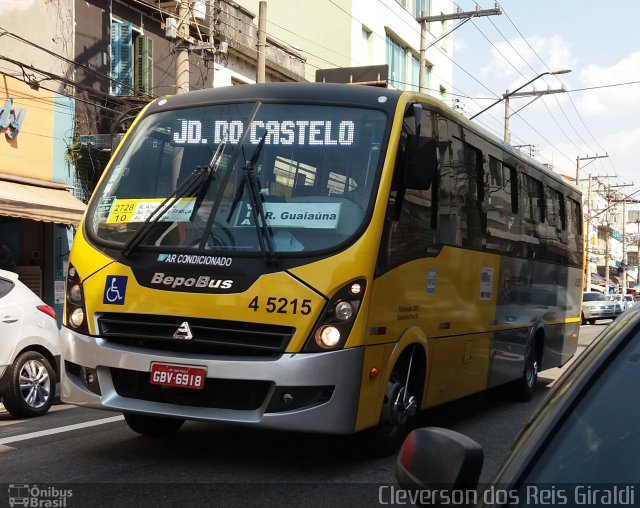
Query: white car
{"points": [[29, 349], [630, 300], [625, 301]]}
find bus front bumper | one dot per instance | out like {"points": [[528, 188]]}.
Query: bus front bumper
{"points": [[315, 392]]}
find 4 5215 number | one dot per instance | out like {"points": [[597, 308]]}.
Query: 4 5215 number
{"points": [[282, 305]]}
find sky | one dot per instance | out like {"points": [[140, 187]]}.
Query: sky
{"points": [[598, 41]]}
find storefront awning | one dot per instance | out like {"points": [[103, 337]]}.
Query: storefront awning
{"points": [[46, 203]]}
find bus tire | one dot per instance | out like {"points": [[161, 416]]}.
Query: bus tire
{"points": [[396, 416], [153, 426], [526, 385]]}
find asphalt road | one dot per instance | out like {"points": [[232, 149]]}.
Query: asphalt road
{"points": [[96, 458]]}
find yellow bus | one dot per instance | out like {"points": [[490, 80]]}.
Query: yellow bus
{"points": [[316, 257]]}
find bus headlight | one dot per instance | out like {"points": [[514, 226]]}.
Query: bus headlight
{"points": [[337, 319], [75, 314], [327, 337], [344, 311], [75, 294], [76, 318]]}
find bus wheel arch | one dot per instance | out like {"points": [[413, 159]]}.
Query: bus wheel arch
{"points": [[402, 401]]}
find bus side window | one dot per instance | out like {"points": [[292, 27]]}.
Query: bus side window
{"points": [[574, 231], [461, 217], [530, 211], [408, 228], [501, 221], [474, 223], [555, 224]]}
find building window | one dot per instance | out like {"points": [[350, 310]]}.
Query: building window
{"points": [[421, 5], [143, 69], [131, 60], [121, 58], [397, 60], [367, 42], [415, 74]]}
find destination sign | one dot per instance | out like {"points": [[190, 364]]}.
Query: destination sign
{"points": [[275, 132]]}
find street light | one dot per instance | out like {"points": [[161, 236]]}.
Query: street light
{"points": [[561, 70]]}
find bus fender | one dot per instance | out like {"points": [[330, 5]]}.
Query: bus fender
{"points": [[411, 335], [537, 329]]}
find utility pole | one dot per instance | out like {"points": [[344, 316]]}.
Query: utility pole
{"points": [[424, 19], [587, 158], [611, 198], [182, 48], [532, 148], [262, 41], [587, 284], [534, 93], [637, 221], [589, 216], [624, 247]]}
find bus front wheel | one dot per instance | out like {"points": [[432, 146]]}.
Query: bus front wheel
{"points": [[399, 406], [152, 426]]}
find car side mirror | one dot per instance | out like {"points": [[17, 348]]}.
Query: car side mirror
{"points": [[439, 460]]}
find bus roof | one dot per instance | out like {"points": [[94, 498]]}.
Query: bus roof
{"points": [[355, 95]]}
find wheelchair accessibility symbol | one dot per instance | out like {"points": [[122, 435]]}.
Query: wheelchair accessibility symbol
{"points": [[114, 289]]}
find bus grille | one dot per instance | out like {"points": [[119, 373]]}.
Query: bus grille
{"points": [[210, 336], [217, 393]]}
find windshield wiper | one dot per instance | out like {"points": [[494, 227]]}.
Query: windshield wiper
{"points": [[249, 181], [193, 183]]}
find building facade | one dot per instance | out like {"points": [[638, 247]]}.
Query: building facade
{"points": [[357, 33], [612, 221], [38, 212], [126, 54]]}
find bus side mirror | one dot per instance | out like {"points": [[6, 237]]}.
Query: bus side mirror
{"points": [[420, 163]]}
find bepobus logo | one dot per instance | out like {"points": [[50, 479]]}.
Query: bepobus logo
{"points": [[201, 282], [38, 497]]}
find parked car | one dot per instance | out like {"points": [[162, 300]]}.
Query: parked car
{"points": [[621, 299], [630, 300], [586, 433], [597, 306], [29, 349]]}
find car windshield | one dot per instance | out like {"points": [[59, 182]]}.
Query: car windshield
{"points": [[599, 442], [594, 297], [310, 171]]}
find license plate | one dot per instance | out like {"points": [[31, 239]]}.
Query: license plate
{"points": [[178, 376]]}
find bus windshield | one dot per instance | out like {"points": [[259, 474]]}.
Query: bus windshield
{"points": [[213, 171]]}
